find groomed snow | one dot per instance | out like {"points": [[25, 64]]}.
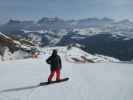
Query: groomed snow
{"points": [[96, 81]]}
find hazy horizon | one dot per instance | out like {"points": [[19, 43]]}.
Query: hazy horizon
{"points": [[65, 9]]}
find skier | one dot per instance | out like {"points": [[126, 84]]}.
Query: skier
{"points": [[55, 65]]}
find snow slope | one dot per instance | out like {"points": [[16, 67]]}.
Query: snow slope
{"points": [[9, 39], [74, 54], [3, 35], [94, 81]]}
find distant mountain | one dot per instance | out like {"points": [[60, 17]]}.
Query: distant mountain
{"points": [[93, 22], [103, 36], [54, 24], [104, 44], [13, 25]]}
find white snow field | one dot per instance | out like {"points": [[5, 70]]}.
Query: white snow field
{"points": [[88, 81]]}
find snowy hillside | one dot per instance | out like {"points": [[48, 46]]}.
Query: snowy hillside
{"points": [[75, 54], [97, 81], [6, 38], [11, 49]]}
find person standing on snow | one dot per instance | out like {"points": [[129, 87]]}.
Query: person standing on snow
{"points": [[55, 65]]}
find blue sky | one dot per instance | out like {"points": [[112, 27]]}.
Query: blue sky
{"points": [[66, 9]]}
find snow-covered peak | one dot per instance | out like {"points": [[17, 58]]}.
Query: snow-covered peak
{"points": [[38, 31], [88, 31]]}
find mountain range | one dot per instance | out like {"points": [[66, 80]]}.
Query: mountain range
{"points": [[97, 36]]}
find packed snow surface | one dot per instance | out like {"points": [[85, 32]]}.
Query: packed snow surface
{"points": [[88, 81]]}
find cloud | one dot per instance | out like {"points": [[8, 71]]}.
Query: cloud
{"points": [[66, 8]]}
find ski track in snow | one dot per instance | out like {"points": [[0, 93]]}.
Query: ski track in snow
{"points": [[98, 81]]}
